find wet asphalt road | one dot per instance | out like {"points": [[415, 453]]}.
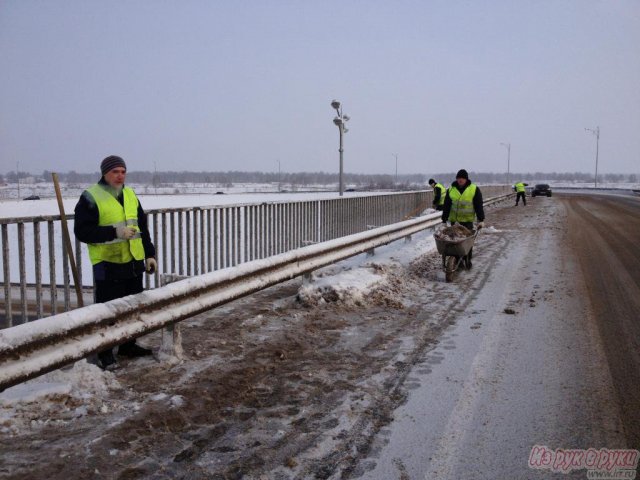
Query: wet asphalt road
{"points": [[563, 371], [605, 233]]}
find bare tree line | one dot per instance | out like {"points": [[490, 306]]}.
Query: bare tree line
{"points": [[303, 179]]}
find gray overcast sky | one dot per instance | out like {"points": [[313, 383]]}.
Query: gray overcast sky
{"points": [[213, 85]]}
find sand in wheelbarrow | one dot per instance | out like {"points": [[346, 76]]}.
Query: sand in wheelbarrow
{"points": [[453, 233]]}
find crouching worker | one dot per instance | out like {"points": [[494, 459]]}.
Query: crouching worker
{"points": [[463, 204], [111, 221]]}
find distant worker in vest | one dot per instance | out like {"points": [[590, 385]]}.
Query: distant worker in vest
{"points": [[439, 192], [463, 204], [520, 193], [111, 221]]}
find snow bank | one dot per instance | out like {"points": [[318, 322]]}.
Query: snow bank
{"points": [[352, 281], [349, 286], [57, 397]]}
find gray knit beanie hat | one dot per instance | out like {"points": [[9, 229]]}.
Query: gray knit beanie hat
{"points": [[112, 162]]}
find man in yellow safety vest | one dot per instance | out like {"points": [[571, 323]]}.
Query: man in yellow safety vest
{"points": [[521, 193], [439, 192], [463, 204], [111, 221]]}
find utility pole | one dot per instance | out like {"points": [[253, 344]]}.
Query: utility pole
{"points": [[596, 132], [155, 177], [396, 155], [18, 177], [279, 178], [508, 145]]}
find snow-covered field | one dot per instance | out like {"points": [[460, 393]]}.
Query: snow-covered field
{"points": [[49, 206], [46, 189]]}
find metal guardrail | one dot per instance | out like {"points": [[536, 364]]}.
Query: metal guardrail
{"points": [[30, 350], [189, 241]]}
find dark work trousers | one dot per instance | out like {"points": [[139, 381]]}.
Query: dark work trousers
{"points": [[439, 207], [523, 196], [111, 289]]}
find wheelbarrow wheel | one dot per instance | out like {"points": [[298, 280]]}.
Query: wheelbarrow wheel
{"points": [[449, 268]]}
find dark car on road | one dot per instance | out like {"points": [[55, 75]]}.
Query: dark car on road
{"points": [[32, 197], [541, 189]]}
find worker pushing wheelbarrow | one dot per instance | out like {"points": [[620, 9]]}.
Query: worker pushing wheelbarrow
{"points": [[462, 205]]}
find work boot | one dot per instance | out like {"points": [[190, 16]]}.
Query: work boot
{"points": [[132, 349], [106, 360]]}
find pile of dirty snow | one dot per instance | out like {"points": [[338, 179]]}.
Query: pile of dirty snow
{"points": [[351, 286], [365, 279], [453, 233], [57, 397]]}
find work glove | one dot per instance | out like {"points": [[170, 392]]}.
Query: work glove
{"points": [[124, 232], [480, 225], [150, 265]]}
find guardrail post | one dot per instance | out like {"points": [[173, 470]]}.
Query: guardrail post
{"points": [[171, 350]]}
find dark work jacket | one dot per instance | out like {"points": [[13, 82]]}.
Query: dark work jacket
{"points": [[436, 195], [87, 230], [477, 201]]}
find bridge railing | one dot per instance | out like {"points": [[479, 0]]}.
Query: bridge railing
{"points": [[189, 241]]}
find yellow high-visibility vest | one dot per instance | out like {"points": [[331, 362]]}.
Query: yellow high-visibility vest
{"points": [[519, 187], [462, 204], [113, 214], [443, 192]]}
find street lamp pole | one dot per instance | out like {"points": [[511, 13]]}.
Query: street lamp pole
{"points": [[396, 155], [508, 145], [340, 121], [596, 132], [279, 178], [155, 177], [18, 177]]}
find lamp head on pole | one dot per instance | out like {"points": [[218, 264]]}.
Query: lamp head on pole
{"points": [[595, 131], [337, 121], [335, 104]]}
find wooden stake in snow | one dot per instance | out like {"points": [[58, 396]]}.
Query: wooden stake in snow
{"points": [[67, 241]]}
